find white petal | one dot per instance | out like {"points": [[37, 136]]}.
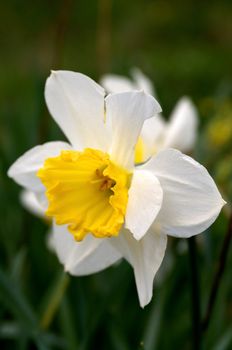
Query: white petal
{"points": [[145, 256], [76, 103], [142, 82], [144, 202], [83, 258], [126, 113], [30, 202], [181, 132], [116, 83], [191, 200], [42, 201], [152, 135], [24, 169]]}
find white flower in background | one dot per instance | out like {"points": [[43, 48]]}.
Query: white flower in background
{"points": [[179, 132], [116, 83], [103, 207]]}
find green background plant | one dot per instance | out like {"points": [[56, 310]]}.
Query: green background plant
{"points": [[185, 47]]}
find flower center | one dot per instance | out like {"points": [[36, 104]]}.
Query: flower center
{"points": [[86, 191], [105, 182]]}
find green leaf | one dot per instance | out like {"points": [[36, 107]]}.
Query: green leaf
{"points": [[153, 326], [68, 325], [18, 265], [16, 303], [225, 342]]}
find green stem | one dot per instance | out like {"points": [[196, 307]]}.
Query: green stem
{"points": [[196, 314], [218, 276], [54, 301]]}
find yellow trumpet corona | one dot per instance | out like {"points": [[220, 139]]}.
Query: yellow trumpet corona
{"points": [[86, 191]]}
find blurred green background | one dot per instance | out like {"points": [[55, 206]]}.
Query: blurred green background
{"points": [[185, 47]]}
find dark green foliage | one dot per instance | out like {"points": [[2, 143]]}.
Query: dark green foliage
{"points": [[185, 48]]}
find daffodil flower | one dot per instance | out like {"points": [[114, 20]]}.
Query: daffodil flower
{"points": [[179, 132], [104, 207], [156, 134]]}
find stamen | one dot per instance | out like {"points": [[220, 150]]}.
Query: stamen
{"points": [[107, 184], [106, 181]]}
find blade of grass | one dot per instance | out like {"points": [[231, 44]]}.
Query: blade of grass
{"points": [[68, 326], [151, 334], [16, 303], [53, 299], [225, 341], [18, 265], [10, 330]]}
